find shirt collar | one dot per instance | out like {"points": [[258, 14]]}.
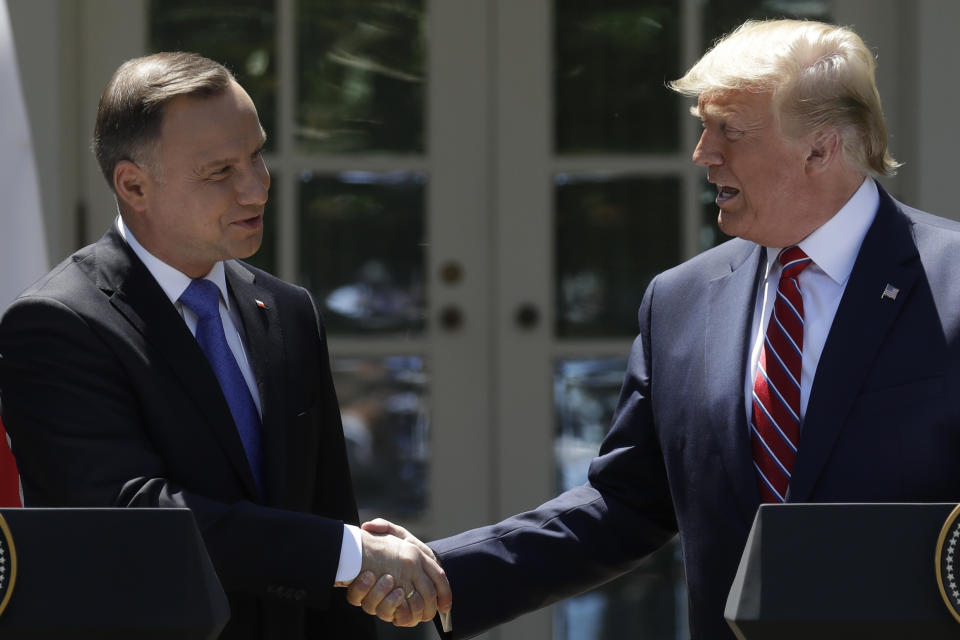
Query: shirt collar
{"points": [[171, 280], [834, 246]]}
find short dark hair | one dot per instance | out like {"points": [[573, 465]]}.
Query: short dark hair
{"points": [[130, 113]]}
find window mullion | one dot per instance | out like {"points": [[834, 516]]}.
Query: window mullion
{"points": [[288, 258]]}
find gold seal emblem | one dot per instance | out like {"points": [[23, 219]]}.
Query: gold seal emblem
{"points": [[8, 564], [948, 562]]}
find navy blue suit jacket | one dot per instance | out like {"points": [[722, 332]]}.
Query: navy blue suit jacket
{"points": [[882, 424], [111, 403]]}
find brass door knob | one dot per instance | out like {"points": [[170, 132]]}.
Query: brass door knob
{"points": [[451, 318], [527, 316]]}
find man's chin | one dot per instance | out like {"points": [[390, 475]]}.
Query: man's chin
{"points": [[727, 222], [245, 250], [734, 225]]}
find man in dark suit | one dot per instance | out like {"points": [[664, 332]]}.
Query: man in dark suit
{"points": [[153, 369], [826, 375]]}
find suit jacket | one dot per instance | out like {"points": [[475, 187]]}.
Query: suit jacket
{"points": [[110, 402], [882, 424]]}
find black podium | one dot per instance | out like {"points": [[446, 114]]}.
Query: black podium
{"points": [[108, 574], [842, 571]]}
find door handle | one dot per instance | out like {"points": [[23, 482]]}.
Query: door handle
{"points": [[527, 316], [451, 318]]}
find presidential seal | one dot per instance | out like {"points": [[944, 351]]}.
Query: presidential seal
{"points": [[8, 564], [948, 562]]}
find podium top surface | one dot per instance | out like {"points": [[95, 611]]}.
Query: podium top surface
{"points": [[869, 569]]}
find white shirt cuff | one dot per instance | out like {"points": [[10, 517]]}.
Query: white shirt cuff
{"points": [[351, 554]]}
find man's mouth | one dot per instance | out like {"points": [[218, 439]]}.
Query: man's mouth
{"points": [[725, 193], [253, 222]]}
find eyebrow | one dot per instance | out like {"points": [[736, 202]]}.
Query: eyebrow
{"points": [[207, 166]]}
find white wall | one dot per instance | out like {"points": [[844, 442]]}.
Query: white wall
{"points": [[37, 37]]}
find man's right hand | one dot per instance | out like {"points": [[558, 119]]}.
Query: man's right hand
{"points": [[400, 579]]}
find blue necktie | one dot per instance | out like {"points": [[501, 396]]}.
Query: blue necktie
{"points": [[203, 298]]}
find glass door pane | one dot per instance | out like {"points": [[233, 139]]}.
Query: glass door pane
{"points": [[614, 233], [385, 407], [362, 250], [361, 77], [610, 62]]}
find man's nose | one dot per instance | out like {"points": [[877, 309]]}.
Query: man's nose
{"points": [[254, 186], [706, 153]]}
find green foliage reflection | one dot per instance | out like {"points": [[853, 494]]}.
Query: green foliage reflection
{"points": [[236, 33], [361, 75]]}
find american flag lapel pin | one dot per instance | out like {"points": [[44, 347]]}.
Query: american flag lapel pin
{"points": [[890, 292], [263, 305]]}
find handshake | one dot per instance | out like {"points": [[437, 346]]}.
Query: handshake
{"points": [[400, 580]]}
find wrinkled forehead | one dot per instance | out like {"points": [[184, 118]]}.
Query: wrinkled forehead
{"points": [[722, 104]]}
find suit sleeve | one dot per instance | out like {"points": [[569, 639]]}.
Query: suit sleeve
{"points": [[78, 434], [580, 539]]}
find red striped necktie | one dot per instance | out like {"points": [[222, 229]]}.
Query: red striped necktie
{"points": [[775, 431]]}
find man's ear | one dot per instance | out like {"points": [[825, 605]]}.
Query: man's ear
{"points": [[131, 182], [826, 148]]}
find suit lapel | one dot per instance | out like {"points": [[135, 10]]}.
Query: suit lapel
{"points": [[139, 298], [258, 314], [863, 320], [729, 319]]}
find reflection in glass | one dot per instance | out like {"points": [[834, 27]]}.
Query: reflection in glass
{"points": [[237, 33], [612, 59], [362, 249], [360, 83], [384, 403], [650, 601], [613, 234], [585, 393], [722, 16]]}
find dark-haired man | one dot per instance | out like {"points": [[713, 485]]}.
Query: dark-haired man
{"points": [[153, 369]]}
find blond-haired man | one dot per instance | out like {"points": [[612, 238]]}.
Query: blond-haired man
{"points": [[827, 375]]}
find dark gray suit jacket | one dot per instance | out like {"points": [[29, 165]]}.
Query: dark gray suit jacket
{"points": [[882, 424], [110, 402]]}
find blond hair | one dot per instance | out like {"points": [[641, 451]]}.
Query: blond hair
{"points": [[819, 75]]}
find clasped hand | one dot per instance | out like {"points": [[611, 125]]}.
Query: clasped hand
{"points": [[400, 579]]}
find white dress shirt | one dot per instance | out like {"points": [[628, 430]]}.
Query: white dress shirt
{"points": [[174, 283], [833, 247]]}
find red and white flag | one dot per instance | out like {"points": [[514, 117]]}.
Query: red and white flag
{"points": [[23, 253], [9, 480]]}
